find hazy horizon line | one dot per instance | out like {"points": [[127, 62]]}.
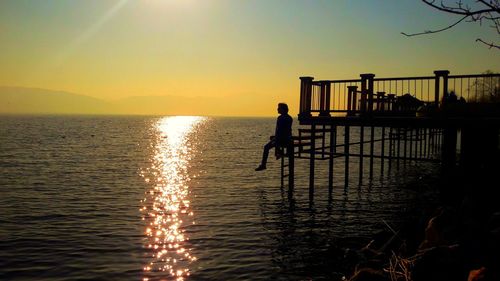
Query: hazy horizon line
{"points": [[131, 115]]}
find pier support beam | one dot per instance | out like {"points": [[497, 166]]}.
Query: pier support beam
{"points": [[372, 144], [361, 151], [449, 147], [333, 145], [291, 168], [382, 152], [479, 148], [311, 161], [346, 152]]}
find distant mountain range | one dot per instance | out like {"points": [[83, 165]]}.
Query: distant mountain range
{"points": [[18, 100]]}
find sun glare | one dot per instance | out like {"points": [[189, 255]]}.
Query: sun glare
{"points": [[167, 206]]}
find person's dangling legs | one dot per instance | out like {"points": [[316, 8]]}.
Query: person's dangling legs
{"points": [[265, 155]]}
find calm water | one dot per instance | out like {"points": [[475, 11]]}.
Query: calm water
{"points": [[177, 198]]}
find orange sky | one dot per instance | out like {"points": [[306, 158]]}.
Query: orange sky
{"points": [[251, 52]]}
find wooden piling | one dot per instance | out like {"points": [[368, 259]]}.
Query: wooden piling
{"points": [[420, 142], [311, 161], [425, 142], [361, 150], [449, 147], [411, 144], [382, 151], [398, 147], [372, 143], [323, 142], [346, 152], [405, 143], [391, 147], [282, 172], [291, 168], [333, 144]]}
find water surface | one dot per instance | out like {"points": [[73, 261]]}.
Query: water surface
{"points": [[177, 198]]}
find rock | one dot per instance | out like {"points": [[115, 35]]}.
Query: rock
{"points": [[439, 263], [494, 221], [440, 230], [477, 274]]}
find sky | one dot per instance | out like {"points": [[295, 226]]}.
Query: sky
{"points": [[248, 52]]}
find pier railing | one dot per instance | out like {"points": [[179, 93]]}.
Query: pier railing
{"points": [[393, 96]]}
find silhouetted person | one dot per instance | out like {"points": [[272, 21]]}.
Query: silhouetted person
{"points": [[449, 98], [282, 137], [453, 97]]}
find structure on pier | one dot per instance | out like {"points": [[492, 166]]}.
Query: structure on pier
{"points": [[395, 119]]}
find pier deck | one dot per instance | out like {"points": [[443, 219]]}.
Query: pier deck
{"points": [[396, 119]]}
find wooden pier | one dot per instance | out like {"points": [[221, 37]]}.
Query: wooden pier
{"points": [[395, 119]]}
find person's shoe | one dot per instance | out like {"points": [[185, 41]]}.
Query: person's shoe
{"points": [[260, 168]]}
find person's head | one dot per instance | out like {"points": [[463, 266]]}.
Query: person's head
{"points": [[282, 108]]}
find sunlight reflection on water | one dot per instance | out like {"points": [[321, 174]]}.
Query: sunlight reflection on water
{"points": [[166, 206]]}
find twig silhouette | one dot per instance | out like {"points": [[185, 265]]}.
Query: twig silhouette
{"points": [[490, 12]]}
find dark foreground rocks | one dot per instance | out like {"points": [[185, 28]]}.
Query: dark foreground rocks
{"points": [[459, 239]]}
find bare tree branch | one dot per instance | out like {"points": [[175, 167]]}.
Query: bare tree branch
{"points": [[484, 10], [435, 31], [490, 45], [458, 10], [492, 6]]}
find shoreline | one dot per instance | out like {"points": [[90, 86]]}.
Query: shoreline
{"points": [[456, 238]]}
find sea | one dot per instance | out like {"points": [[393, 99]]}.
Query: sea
{"points": [[177, 198]]}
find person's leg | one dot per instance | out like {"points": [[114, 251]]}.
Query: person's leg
{"points": [[265, 154]]}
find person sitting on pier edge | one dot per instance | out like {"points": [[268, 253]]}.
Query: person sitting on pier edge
{"points": [[282, 137]]}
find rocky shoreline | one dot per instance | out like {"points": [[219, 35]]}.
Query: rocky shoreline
{"points": [[458, 238]]}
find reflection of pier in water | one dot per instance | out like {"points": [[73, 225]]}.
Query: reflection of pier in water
{"points": [[166, 207], [396, 119]]}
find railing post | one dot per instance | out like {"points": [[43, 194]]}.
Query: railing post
{"points": [[367, 91], [351, 99], [305, 96], [324, 101], [444, 74]]}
